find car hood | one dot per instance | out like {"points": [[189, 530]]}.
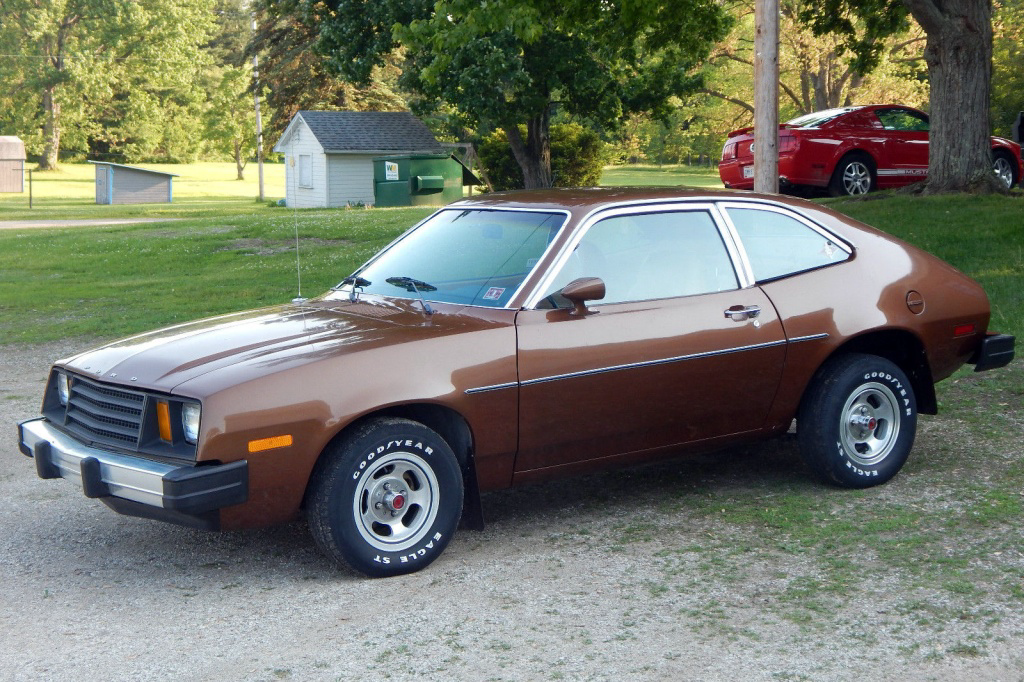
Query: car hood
{"points": [[273, 338]]}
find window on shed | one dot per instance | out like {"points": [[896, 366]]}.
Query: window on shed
{"points": [[778, 244], [305, 170]]}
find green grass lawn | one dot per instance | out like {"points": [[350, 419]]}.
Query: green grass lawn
{"points": [[669, 176]]}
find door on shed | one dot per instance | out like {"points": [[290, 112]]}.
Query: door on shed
{"points": [[102, 184]]}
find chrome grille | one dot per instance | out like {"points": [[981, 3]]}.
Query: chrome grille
{"points": [[104, 413]]}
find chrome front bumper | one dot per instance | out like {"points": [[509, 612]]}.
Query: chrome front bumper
{"points": [[135, 485]]}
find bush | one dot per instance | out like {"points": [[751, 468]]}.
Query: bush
{"points": [[577, 158]]}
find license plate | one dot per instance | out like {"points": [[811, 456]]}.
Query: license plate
{"points": [[748, 171]]}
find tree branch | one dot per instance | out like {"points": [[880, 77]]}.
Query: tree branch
{"points": [[727, 98]]}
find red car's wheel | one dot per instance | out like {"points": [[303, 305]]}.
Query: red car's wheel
{"points": [[1004, 168], [854, 175]]}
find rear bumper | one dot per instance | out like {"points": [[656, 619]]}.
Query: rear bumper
{"points": [[996, 350], [182, 494]]}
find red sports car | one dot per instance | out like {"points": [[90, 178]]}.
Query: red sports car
{"points": [[852, 150]]}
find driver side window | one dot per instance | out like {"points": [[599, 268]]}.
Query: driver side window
{"points": [[650, 256]]}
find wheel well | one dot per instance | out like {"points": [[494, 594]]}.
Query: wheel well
{"points": [[455, 431], [905, 351], [856, 152]]}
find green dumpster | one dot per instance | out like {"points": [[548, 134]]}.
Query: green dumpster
{"points": [[419, 180]]}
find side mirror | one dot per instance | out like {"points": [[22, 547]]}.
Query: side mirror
{"points": [[581, 290]]}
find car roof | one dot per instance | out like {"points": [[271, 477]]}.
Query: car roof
{"points": [[575, 199]]}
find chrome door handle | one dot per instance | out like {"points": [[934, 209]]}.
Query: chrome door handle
{"points": [[739, 313]]}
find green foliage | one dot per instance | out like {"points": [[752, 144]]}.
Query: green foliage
{"points": [[115, 75], [864, 24], [577, 158], [506, 63], [1007, 58], [286, 34]]}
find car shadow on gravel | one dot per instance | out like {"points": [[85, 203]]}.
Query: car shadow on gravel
{"points": [[773, 463]]}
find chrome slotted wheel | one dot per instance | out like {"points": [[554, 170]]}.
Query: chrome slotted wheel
{"points": [[856, 178], [396, 501], [1003, 170], [870, 424]]}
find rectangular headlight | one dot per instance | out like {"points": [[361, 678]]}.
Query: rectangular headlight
{"points": [[190, 416], [63, 388]]}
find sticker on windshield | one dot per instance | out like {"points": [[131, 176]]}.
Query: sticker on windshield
{"points": [[494, 293]]}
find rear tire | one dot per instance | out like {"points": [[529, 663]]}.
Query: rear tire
{"points": [[1004, 168], [857, 421], [854, 175], [386, 499]]}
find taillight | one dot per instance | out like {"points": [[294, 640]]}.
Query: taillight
{"points": [[787, 143], [729, 151]]}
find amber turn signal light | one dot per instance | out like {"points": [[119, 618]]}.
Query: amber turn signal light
{"points": [[163, 420], [270, 443]]}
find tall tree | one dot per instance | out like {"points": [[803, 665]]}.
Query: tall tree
{"points": [[958, 53], [509, 62], [134, 62]]}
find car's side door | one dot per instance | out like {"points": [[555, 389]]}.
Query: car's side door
{"points": [[681, 349], [905, 156]]}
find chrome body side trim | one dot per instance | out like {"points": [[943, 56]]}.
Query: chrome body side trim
{"points": [[495, 387], [652, 363]]}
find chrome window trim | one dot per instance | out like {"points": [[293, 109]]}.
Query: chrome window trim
{"points": [[631, 208], [790, 213]]}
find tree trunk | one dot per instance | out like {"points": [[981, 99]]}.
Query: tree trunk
{"points": [[533, 154], [959, 57], [239, 161], [51, 130]]}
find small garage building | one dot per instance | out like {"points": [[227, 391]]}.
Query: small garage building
{"points": [[119, 184], [329, 154], [12, 164]]}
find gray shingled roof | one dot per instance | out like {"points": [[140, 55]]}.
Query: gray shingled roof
{"points": [[371, 131]]}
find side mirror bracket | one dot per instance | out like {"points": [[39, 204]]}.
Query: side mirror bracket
{"points": [[581, 290]]}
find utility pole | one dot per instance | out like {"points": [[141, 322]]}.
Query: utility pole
{"points": [[766, 96], [259, 119]]}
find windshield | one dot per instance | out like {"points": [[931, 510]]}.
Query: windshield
{"points": [[467, 256], [817, 118]]}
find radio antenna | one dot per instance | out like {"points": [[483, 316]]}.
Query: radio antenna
{"points": [[298, 265]]}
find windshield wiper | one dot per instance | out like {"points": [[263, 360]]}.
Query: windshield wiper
{"points": [[414, 285], [356, 282]]}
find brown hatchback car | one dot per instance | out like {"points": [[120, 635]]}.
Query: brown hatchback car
{"points": [[514, 338]]}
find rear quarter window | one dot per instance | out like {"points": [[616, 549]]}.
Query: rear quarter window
{"points": [[778, 244]]}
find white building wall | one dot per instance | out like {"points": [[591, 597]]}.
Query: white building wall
{"points": [[302, 142], [349, 179]]}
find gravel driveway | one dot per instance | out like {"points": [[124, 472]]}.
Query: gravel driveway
{"points": [[550, 591]]}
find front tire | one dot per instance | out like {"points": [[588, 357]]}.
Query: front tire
{"points": [[387, 498], [857, 422], [854, 175]]}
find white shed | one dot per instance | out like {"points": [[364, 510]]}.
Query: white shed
{"points": [[329, 154], [120, 184], [12, 164]]}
